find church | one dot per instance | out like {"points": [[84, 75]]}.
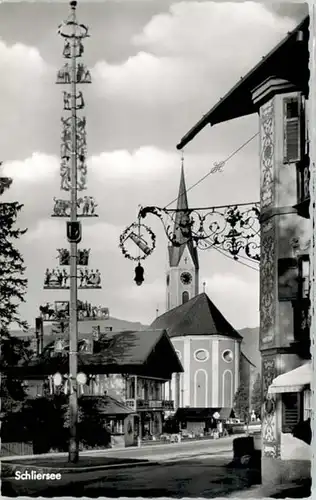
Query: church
{"points": [[208, 347]]}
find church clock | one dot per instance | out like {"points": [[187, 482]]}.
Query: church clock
{"points": [[186, 278]]}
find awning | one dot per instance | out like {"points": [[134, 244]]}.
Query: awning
{"points": [[293, 381]]}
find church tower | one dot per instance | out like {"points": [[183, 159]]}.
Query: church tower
{"points": [[182, 277]]}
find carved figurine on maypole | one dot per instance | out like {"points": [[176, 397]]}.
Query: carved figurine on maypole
{"points": [[73, 33], [59, 278]]}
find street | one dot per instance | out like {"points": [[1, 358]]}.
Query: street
{"points": [[184, 469]]}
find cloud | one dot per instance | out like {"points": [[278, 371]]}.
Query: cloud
{"points": [[178, 66], [24, 85], [175, 65], [236, 297], [37, 169], [146, 162]]}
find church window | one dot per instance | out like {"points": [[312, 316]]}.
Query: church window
{"points": [[201, 355], [227, 389], [185, 297], [228, 356]]}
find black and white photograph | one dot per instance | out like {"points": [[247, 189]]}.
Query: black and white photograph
{"points": [[157, 288]]}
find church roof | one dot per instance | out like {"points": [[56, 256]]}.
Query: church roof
{"points": [[198, 316], [176, 252], [287, 60]]}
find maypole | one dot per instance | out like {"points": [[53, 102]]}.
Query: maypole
{"points": [[73, 173]]}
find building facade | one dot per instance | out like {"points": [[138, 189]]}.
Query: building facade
{"points": [[277, 90]]}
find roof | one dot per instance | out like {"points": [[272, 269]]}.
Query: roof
{"points": [[198, 316], [288, 60], [198, 414], [176, 252], [123, 352], [107, 405], [247, 359]]}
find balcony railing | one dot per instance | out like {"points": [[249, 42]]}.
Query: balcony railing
{"points": [[149, 404]]}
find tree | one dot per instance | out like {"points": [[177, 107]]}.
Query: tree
{"points": [[13, 287], [256, 399], [241, 403], [13, 284]]}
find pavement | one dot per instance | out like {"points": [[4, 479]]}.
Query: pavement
{"points": [[186, 469], [288, 490], [113, 462], [207, 477], [154, 452]]}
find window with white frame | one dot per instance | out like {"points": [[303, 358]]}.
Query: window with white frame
{"points": [[201, 355], [304, 276], [292, 129], [307, 404]]}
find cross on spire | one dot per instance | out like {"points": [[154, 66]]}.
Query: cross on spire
{"points": [[175, 253]]}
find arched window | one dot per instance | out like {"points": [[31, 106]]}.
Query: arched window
{"points": [[227, 389], [200, 388], [185, 297]]}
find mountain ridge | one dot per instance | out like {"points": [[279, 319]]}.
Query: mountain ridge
{"points": [[249, 344]]}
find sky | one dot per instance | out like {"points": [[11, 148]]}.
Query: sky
{"points": [[157, 66]]}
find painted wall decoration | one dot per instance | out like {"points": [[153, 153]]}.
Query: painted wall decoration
{"points": [[267, 282], [270, 437], [267, 154]]}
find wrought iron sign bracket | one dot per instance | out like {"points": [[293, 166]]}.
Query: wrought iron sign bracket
{"points": [[234, 229]]}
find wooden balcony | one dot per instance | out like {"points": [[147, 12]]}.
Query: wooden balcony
{"points": [[149, 404]]}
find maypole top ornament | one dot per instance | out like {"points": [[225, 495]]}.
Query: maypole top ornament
{"points": [[72, 29]]}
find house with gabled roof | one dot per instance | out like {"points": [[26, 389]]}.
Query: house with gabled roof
{"points": [[123, 371]]}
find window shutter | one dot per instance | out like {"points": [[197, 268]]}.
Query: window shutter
{"points": [[291, 410], [288, 282], [307, 404], [292, 129]]}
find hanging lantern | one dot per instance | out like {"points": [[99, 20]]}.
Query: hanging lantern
{"points": [[139, 274]]}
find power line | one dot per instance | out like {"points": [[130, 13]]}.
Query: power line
{"points": [[232, 258], [219, 167]]}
